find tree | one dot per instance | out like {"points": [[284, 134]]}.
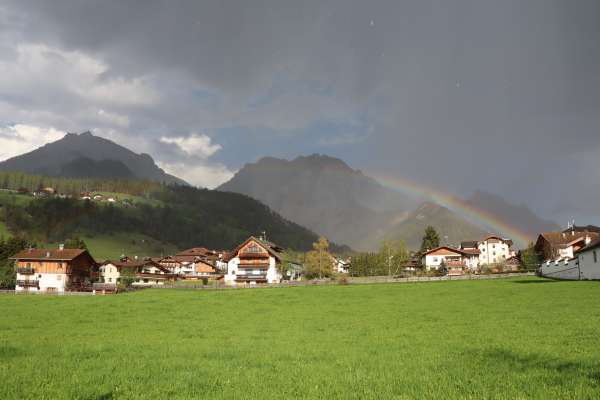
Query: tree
{"points": [[530, 258], [443, 268], [8, 249], [431, 240], [394, 256], [319, 260]]}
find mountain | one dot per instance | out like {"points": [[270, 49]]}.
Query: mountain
{"points": [[519, 216], [69, 155], [84, 167], [451, 227], [325, 195]]}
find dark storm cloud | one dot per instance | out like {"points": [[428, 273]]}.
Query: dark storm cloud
{"points": [[465, 95]]}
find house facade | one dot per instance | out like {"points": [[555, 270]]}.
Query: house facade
{"points": [[53, 270], [584, 265], [145, 272], [564, 244], [254, 261], [454, 259], [494, 250]]}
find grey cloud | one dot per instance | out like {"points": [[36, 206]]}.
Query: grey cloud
{"points": [[459, 94]]}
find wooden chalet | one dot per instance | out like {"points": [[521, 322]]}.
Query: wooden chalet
{"points": [[146, 272], [254, 261], [53, 270], [555, 245]]}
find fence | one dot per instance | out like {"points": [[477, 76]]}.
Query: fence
{"points": [[44, 293], [349, 280]]}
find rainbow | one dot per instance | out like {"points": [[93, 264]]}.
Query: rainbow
{"points": [[458, 205]]}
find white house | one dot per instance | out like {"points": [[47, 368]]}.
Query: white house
{"points": [[584, 265], [454, 259], [253, 261], [341, 266], [53, 270], [495, 250], [144, 272]]}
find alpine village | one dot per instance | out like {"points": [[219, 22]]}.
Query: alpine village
{"points": [[70, 216]]}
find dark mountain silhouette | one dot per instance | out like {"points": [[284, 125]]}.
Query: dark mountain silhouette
{"points": [[324, 194], [329, 197], [84, 167], [65, 156]]}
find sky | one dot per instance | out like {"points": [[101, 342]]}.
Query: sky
{"points": [[501, 96]]}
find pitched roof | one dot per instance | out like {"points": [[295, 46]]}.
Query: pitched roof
{"points": [[471, 251], [136, 264], [196, 251], [593, 245], [563, 238], [459, 251], [583, 228], [271, 247], [50, 254]]}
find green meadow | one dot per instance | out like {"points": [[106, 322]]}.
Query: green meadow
{"points": [[501, 339]]}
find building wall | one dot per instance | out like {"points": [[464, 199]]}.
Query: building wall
{"points": [[110, 273], [568, 269], [590, 265], [434, 260], [493, 252], [273, 275], [46, 281]]}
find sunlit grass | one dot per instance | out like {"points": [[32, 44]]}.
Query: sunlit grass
{"points": [[520, 338]]}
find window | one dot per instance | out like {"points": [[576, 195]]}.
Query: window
{"points": [[109, 280], [595, 257], [435, 259], [59, 278]]}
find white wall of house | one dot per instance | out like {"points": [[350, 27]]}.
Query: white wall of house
{"points": [[589, 264], [53, 282], [561, 269], [233, 270], [434, 261], [109, 273], [493, 252]]}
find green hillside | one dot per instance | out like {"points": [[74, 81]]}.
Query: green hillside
{"points": [[147, 219]]}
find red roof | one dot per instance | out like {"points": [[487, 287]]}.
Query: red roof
{"points": [[48, 254]]}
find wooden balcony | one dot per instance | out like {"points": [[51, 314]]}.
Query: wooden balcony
{"points": [[28, 283], [25, 270]]}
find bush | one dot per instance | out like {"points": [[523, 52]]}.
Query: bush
{"points": [[342, 280], [205, 281]]}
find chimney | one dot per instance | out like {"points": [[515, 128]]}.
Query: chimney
{"points": [[563, 234], [47, 254], [588, 240], [61, 247], [572, 233]]}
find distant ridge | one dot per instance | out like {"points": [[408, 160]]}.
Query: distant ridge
{"points": [[324, 194], [86, 155]]}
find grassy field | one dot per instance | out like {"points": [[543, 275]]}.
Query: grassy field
{"points": [[505, 339]]}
